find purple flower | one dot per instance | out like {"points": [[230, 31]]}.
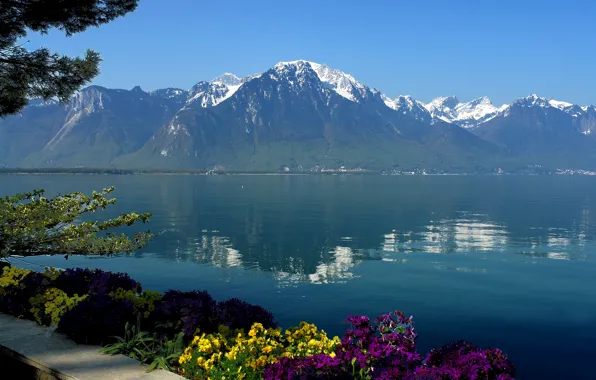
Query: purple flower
{"points": [[383, 349], [308, 368], [464, 360]]}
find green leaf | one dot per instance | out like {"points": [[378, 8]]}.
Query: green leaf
{"points": [[31, 224]]}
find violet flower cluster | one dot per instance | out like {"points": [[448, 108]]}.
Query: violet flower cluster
{"points": [[386, 349]]}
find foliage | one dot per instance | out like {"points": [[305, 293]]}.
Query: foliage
{"points": [[139, 345], [144, 302], [12, 276], [134, 344], [185, 311], [25, 74], [13, 294], [245, 356], [94, 281], [32, 224], [96, 319], [4, 264], [238, 314], [77, 299], [167, 353], [48, 307]]}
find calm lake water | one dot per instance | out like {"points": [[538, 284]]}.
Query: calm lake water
{"points": [[500, 261]]}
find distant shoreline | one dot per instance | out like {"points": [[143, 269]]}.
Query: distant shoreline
{"points": [[98, 171], [65, 171]]}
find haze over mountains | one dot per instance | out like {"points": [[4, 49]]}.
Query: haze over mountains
{"points": [[300, 115]]}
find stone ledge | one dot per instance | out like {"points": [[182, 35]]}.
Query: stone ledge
{"points": [[53, 356]]}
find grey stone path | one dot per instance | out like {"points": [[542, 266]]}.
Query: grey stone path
{"points": [[60, 357]]}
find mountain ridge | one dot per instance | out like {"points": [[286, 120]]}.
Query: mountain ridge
{"points": [[297, 114]]}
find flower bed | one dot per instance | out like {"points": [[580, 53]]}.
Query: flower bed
{"points": [[192, 334]]}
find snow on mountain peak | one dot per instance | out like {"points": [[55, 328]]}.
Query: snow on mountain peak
{"points": [[481, 100], [405, 102], [227, 79], [532, 100], [299, 66], [407, 105], [443, 108], [558, 104], [466, 115], [210, 94], [343, 84], [443, 102], [476, 109]]}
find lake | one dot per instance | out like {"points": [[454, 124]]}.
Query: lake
{"points": [[504, 261]]}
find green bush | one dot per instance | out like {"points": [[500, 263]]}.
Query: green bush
{"points": [[49, 307]]}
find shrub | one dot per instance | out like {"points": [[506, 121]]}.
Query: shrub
{"points": [[237, 314], [97, 319], [108, 282], [144, 302], [14, 294], [48, 307], [94, 281], [184, 311], [12, 276], [4, 264]]}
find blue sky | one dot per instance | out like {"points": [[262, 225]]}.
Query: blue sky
{"points": [[502, 49]]}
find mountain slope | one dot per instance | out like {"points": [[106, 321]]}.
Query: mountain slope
{"points": [[101, 124], [542, 133], [301, 114], [28, 132]]}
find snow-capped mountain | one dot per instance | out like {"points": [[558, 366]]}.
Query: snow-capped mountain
{"points": [[305, 114], [466, 115], [170, 93], [228, 79], [341, 83], [295, 114], [407, 105], [443, 108], [210, 94]]}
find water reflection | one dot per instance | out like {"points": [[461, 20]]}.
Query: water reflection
{"points": [[319, 229], [465, 234], [450, 235]]}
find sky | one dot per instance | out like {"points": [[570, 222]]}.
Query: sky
{"points": [[500, 49]]}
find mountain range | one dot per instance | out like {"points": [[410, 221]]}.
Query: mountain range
{"points": [[298, 116]]}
